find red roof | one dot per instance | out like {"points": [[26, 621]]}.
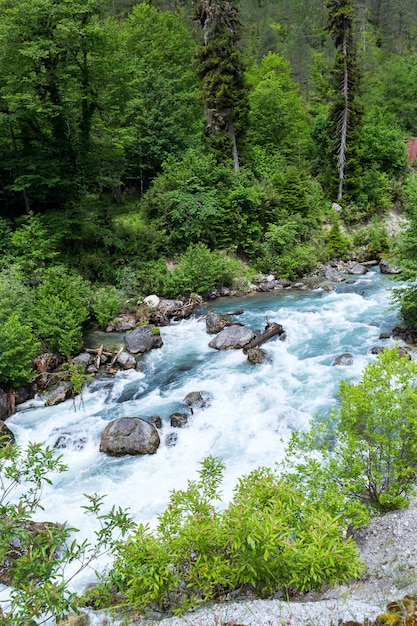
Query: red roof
{"points": [[411, 149]]}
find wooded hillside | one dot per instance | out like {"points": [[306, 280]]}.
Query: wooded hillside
{"points": [[140, 140]]}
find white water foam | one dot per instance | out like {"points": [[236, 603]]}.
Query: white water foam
{"points": [[254, 408]]}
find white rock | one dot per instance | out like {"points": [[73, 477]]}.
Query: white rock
{"points": [[152, 301]]}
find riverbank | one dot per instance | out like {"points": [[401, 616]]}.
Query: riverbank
{"points": [[389, 551]]}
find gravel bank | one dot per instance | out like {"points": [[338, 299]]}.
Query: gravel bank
{"points": [[388, 548]]}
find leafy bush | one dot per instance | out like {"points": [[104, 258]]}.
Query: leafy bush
{"points": [[16, 296], [283, 254], [38, 583], [362, 458], [199, 270], [106, 303], [406, 297], [31, 246], [19, 346], [5, 235], [374, 237], [62, 306], [142, 280], [337, 244], [270, 536]]}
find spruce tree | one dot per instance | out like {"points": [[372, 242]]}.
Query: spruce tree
{"points": [[345, 112], [221, 70]]}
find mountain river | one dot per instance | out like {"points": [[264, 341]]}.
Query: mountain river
{"points": [[254, 408]]}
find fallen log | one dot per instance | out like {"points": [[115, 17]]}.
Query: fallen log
{"points": [[116, 356], [96, 350], [271, 330]]}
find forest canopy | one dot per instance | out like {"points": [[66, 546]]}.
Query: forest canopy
{"points": [[132, 132]]}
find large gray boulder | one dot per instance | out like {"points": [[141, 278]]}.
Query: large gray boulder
{"points": [[61, 393], [126, 360], [333, 275], [343, 359], [198, 399], [358, 269], [178, 420], [258, 355], [129, 435], [386, 268], [82, 360], [142, 339], [232, 337], [216, 322]]}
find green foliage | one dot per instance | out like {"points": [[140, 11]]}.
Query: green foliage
{"points": [[199, 271], [5, 236], [270, 536], [406, 298], [337, 244], [39, 586], [373, 238], [383, 142], [19, 347], [161, 113], [278, 116], [61, 308], [362, 458], [49, 77], [345, 114], [293, 206], [31, 246], [197, 200], [106, 303], [16, 296], [143, 279], [393, 84], [220, 66]]}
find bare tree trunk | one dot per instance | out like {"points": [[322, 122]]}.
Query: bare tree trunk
{"points": [[11, 402], [343, 122], [235, 154]]}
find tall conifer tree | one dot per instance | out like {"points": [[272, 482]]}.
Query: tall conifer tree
{"points": [[345, 113], [221, 69]]}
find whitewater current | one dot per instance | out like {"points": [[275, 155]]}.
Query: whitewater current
{"points": [[253, 408]]}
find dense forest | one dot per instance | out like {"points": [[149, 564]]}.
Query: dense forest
{"points": [[174, 146]]}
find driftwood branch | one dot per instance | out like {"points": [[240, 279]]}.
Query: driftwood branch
{"points": [[271, 329]]}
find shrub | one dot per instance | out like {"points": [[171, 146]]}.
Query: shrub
{"points": [[282, 253], [142, 280], [38, 585], [374, 237], [19, 346], [31, 246], [270, 536], [337, 244], [106, 303], [199, 271], [62, 306], [406, 297], [363, 456]]}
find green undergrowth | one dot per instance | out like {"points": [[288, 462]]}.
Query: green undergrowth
{"points": [[269, 537]]}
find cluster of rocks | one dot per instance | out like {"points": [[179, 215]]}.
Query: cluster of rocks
{"points": [[142, 334], [141, 435]]}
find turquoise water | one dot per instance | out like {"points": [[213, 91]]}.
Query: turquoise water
{"points": [[254, 407]]}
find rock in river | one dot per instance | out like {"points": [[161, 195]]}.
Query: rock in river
{"points": [[234, 336], [129, 435], [143, 339]]}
